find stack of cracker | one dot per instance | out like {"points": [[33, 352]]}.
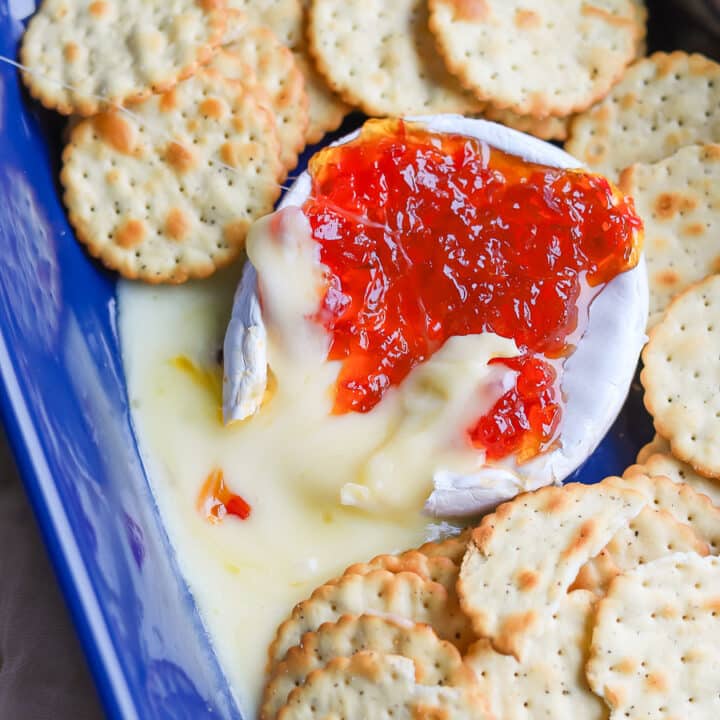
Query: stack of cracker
{"points": [[529, 64], [186, 117], [658, 133], [588, 601]]}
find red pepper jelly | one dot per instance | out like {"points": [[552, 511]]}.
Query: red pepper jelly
{"points": [[215, 500], [429, 235]]}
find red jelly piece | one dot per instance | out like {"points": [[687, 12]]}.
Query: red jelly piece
{"points": [[428, 235], [216, 500]]}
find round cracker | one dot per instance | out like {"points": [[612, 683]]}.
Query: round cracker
{"points": [[381, 57], [663, 102], [550, 683], [404, 595], [277, 73], [665, 464], [655, 651], [371, 685], [115, 51], [536, 57], [437, 662], [678, 199], [550, 534], [684, 503], [168, 193], [651, 535], [681, 376]]}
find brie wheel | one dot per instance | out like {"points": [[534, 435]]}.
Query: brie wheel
{"points": [[285, 266]]}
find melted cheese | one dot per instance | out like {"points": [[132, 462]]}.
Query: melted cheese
{"points": [[294, 462], [594, 383], [290, 462]]}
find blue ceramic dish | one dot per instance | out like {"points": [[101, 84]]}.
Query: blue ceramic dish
{"points": [[65, 408]]}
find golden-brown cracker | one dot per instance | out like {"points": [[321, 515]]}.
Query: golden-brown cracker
{"points": [[683, 502], [371, 685], [277, 73], [80, 53], [437, 662], [649, 536], [438, 569], [550, 127], [168, 192], [655, 651], [678, 199], [536, 57], [524, 556], [663, 463], [404, 595], [381, 57], [663, 102], [550, 682], [681, 376]]}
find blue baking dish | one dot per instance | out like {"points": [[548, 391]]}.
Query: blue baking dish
{"points": [[65, 408]]}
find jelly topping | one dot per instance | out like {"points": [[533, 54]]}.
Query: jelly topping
{"points": [[216, 500], [429, 235]]}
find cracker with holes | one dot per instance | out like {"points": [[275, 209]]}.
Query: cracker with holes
{"points": [[114, 51], [651, 535], [678, 199], [683, 502], [437, 662], [663, 103], [665, 464], [404, 594], [371, 685], [277, 73], [535, 57], [681, 376], [655, 650], [525, 555], [168, 193], [381, 57], [550, 682]]}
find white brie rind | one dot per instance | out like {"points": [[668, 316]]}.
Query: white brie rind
{"points": [[595, 380]]}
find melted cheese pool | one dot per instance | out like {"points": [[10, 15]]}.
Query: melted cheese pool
{"points": [[289, 462]]}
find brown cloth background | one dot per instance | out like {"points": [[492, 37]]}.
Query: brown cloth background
{"points": [[43, 672]]}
